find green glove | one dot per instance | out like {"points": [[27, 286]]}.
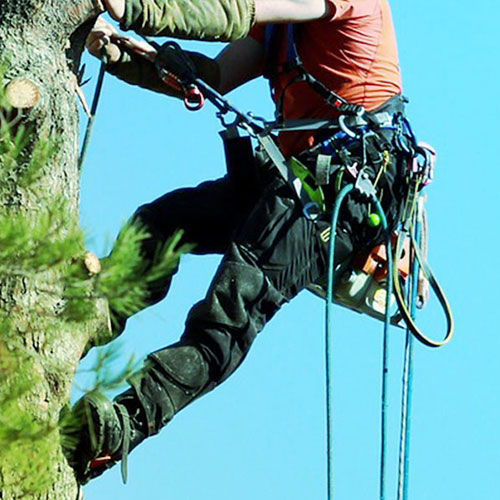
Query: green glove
{"points": [[222, 20], [136, 70]]}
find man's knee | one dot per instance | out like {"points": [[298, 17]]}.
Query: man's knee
{"points": [[239, 303]]}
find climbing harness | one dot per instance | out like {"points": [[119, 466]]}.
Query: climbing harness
{"points": [[363, 289], [386, 273]]}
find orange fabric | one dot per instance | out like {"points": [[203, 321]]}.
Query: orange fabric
{"points": [[352, 51]]}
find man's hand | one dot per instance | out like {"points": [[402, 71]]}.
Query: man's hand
{"points": [[102, 34]]}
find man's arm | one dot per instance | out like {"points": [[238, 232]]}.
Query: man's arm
{"points": [[243, 60], [236, 64], [290, 11], [229, 20], [266, 11], [240, 62]]}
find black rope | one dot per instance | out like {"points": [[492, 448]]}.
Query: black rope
{"points": [[93, 109]]}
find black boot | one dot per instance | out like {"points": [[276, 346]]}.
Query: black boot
{"points": [[97, 434], [107, 431]]}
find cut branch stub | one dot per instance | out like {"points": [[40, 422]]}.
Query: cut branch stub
{"points": [[22, 93], [92, 263]]}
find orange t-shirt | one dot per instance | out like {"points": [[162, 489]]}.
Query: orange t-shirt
{"points": [[352, 52]]}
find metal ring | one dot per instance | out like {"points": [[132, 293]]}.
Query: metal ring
{"points": [[194, 99]]}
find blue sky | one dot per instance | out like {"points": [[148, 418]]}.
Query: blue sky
{"points": [[262, 433]]}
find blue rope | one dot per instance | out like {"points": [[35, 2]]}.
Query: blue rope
{"points": [[404, 449], [385, 351], [328, 341]]}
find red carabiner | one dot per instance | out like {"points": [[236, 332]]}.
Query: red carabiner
{"points": [[194, 99]]}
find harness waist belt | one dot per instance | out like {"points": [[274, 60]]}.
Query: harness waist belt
{"points": [[380, 117]]}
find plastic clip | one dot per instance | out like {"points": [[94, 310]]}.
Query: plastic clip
{"points": [[312, 210], [365, 186]]}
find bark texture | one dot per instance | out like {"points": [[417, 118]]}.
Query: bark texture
{"points": [[40, 47]]}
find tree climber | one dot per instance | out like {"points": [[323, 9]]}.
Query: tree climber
{"points": [[271, 249]]}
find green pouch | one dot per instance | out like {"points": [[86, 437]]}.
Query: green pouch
{"points": [[308, 182]]}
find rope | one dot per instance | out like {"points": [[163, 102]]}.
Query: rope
{"points": [[328, 341], [406, 314], [385, 350], [93, 110], [407, 382], [408, 229]]}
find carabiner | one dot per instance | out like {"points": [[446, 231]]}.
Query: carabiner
{"points": [[424, 162], [345, 128], [193, 98]]}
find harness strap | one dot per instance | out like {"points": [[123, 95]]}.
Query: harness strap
{"points": [[274, 67], [126, 440], [381, 120], [279, 161], [307, 184]]}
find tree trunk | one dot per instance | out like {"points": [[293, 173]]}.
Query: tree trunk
{"points": [[40, 48]]}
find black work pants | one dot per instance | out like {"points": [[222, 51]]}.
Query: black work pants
{"points": [[271, 252]]}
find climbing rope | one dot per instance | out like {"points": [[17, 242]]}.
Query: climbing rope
{"points": [[328, 341], [420, 177], [413, 225], [93, 109], [407, 381], [385, 351], [406, 314]]}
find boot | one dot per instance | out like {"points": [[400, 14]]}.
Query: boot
{"points": [[103, 434], [107, 431]]}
